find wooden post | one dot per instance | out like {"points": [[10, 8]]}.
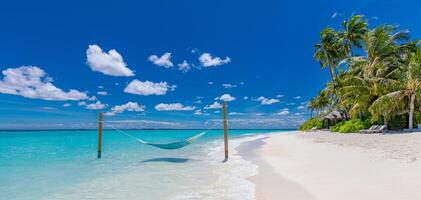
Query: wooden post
{"points": [[99, 134], [224, 107]]}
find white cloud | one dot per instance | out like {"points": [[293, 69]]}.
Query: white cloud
{"points": [[148, 88], [277, 122], [227, 97], [32, 82], [110, 63], [199, 99], [194, 50], [81, 103], [235, 113], [335, 15], [228, 86], [215, 105], [163, 61], [129, 106], [92, 98], [279, 96], [269, 101], [198, 112], [141, 124], [95, 106], [246, 97], [173, 107], [265, 101], [210, 83], [304, 103], [284, 111], [184, 66], [100, 87], [206, 60], [67, 105], [297, 97], [301, 107], [104, 93]]}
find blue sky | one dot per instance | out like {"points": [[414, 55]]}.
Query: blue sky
{"points": [[55, 58]]}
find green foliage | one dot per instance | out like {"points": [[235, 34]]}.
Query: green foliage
{"points": [[320, 101], [351, 126], [398, 122], [381, 83], [401, 121], [417, 118], [337, 126], [311, 123]]}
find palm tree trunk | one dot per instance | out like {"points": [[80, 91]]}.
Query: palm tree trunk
{"points": [[332, 73], [411, 112], [386, 122]]}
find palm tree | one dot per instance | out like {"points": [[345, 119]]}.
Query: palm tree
{"points": [[354, 30], [372, 80], [383, 82], [369, 77], [329, 52], [409, 89], [320, 102], [414, 84]]}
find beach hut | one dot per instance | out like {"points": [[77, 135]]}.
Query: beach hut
{"points": [[331, 119]]}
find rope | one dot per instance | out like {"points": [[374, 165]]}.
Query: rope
{"points": [[125, 133], [144, 142]]}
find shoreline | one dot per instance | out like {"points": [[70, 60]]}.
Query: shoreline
{"points": [[251, 150], [320, 165]]}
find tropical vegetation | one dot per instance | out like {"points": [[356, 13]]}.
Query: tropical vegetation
{"points": [[311, 123], [375, 75]]}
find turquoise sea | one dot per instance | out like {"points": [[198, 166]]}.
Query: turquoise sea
{"points": [[63, 165]]}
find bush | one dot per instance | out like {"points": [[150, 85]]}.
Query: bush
{"points": [[311, 123], [398, 122], [351, 126], [337, 126]]}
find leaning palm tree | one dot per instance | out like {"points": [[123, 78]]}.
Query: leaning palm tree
{"points": [[330, 51], [354, 30], [320, 102], [414, 74], [312, 106], [409, 89]]}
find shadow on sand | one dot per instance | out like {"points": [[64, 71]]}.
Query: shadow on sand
{"points": [[171, 160]]}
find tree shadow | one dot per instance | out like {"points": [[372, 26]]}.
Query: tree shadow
{"points": [[171, 160]]}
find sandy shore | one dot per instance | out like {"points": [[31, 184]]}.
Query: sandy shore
{"points": [[326, 166]]}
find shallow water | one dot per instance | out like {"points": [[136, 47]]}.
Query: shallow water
{"points": [[63, 165]]}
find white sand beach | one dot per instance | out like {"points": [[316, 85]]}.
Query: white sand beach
{"points": [[327, 166]]}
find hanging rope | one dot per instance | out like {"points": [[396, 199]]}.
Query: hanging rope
{"points": [[125, 133]]}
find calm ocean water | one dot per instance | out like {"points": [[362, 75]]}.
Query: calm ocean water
{"points": [[63, 165]]}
